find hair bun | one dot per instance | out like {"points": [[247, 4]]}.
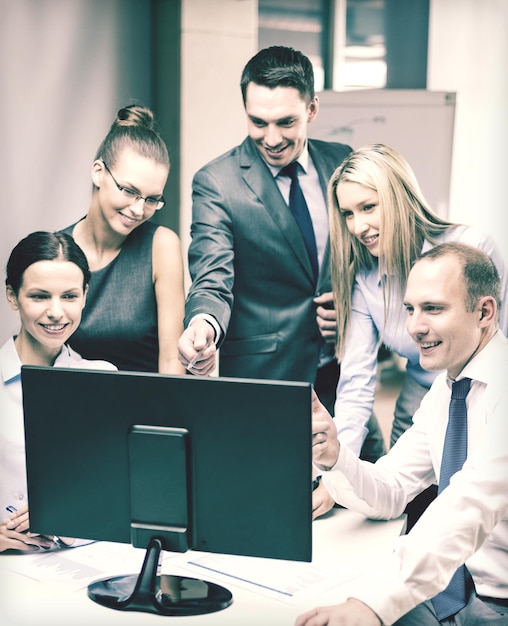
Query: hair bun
{"points": [[135, 115]]}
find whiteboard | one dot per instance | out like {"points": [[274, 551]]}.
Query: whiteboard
{"points": [[415, 122]]}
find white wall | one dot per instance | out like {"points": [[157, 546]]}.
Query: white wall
{"points": [[468, 49], [66, 67], [218, 38]]}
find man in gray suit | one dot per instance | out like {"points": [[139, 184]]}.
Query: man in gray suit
{"points": [[254, 292]]}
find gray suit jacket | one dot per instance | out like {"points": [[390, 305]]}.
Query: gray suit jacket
{"points": [[250, 269]]}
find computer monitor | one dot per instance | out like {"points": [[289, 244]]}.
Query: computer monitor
{"points": [[169, 463]]}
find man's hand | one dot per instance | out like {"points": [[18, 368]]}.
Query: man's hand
{"points": [[325, 316], [196, 348], [350, 613], [325, 445], [322, 501]]}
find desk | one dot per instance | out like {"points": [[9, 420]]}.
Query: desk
{"points": [[343, 542]]}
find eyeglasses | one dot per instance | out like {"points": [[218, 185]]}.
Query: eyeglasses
{"points": [[133, 196]]}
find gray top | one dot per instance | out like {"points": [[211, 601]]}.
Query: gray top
{"points": [[119, 322]]}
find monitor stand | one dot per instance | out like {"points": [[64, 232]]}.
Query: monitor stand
{"points": [[150, 592]]}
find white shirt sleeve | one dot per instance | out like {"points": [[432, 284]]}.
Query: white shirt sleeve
{"points": [[466, 523], [357, 382]]}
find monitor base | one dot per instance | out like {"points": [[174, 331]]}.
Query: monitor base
{"points": [[149, 592]]}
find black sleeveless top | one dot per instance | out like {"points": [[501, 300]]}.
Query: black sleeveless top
{"points": [[119, 322]]}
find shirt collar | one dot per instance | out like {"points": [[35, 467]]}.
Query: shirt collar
{"points": [[64, 358], [426, 246], [480, 367], [10, 364], [303, 159]]}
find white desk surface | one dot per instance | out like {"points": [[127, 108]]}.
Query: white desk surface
{"points": [[344, 543]]}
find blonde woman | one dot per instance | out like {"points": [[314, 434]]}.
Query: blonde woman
{"points": [[379, 224]]}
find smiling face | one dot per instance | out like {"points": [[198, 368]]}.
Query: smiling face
{"points": [[144, 177], [359, 207], [49, 301], [446, 333], [277, 122]]}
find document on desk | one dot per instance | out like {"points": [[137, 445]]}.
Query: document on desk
{"points": [[286, 580], [77, 567]]}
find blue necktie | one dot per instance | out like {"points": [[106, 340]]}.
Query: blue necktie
{"points": [[453, 598], [299, 208]]}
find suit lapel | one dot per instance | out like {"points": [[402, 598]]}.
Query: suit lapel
{"points": [[325, 167], [259, 179]]}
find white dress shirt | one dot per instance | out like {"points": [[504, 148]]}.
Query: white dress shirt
{"points": [[357, 383], [467, 522], [13, 487]]}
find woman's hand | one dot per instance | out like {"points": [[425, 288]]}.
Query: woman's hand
{"points": [[18, 521], [14, 534]]}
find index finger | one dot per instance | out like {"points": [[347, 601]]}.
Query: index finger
{"points": [[324, 298]]}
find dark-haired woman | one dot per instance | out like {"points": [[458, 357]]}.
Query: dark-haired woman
{"points": [[135, 305], [46, 283]]}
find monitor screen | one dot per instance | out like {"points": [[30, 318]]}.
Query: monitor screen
{"points": [[212, 464]]}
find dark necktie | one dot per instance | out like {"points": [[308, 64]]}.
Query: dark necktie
{"points": [[299, 208], [453, 598]]}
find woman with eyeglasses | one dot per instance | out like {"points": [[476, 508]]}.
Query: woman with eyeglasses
{"points": [[46, 283], [135, 305]]}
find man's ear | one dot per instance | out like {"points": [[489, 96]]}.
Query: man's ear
{"points": [[487, 308], [313, 109], [12, 298]]}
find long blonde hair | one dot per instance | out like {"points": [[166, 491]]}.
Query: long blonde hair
{"points": [[406, 221]]}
